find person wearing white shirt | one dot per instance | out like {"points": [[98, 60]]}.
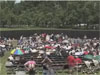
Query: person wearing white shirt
{"points": [[11, 58], [8, 63]]}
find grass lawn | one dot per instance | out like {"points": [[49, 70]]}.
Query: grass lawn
{"points": [[2, 63], [12, 29], [35, 28]]}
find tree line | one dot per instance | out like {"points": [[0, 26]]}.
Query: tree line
{"points": [[50, 14]]}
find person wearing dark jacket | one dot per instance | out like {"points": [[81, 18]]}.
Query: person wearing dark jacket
{"points": [[47, 68]]}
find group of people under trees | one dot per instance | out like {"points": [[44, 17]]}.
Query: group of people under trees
{"points": [[45, 44]]}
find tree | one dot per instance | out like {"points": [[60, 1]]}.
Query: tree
{"points": [[49, 13]]}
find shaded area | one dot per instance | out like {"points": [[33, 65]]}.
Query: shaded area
{"points": [[71, 33]]}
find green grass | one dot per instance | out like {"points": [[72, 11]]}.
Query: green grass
{"points": [[2, 63], [36, 28], [12, 29]]}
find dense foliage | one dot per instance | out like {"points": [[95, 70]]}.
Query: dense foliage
{"points": [[58, 14]]}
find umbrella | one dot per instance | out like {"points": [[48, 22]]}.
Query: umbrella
{"points": [[17, 52], [97, 57], [88, 57]]}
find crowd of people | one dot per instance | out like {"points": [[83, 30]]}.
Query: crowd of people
{"points": [[45, 44]]}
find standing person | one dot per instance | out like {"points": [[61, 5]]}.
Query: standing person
{"points": [[47, 69], [71, 62], [78, 60], [30, 66], [1, 51]]}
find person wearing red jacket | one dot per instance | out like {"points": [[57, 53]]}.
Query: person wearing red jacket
{"points": [[71, 61], [86, 52], [77, 60]]}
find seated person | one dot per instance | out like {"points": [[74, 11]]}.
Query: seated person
{"points": [[78, 60], [11, 58], [17, 59], [8, 63], [22, 60]]}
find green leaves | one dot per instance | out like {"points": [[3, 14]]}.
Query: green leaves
{"points": [[48, 13]]}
